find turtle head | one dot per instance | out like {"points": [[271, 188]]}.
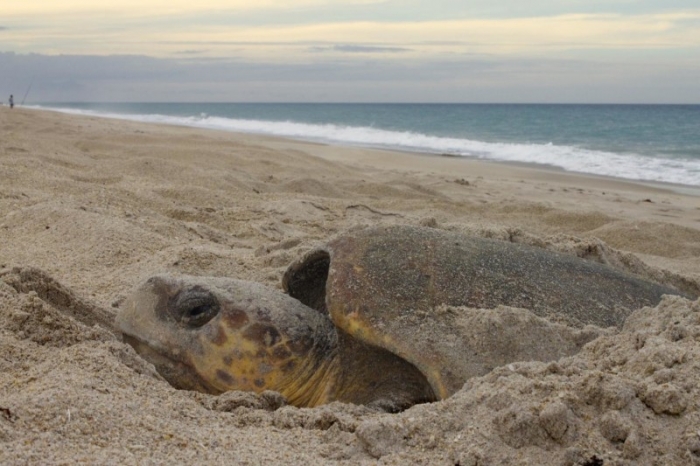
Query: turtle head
{"points": [[217, 334]]}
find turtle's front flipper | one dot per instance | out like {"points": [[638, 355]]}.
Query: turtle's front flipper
{"points": [[306, 278]]}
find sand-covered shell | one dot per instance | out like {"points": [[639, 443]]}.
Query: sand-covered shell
{"points": [[389, 287]]}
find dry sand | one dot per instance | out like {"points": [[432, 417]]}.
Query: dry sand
{"points": [[90, 207]]}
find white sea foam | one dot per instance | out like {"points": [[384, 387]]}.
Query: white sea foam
{"points": [[620, 165]]}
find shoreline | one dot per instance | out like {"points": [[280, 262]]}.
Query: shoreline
{"points": [[535, 170], [685, 189], [691, 190]]}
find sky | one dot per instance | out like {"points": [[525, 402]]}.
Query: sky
{"points": [[515, 51]]}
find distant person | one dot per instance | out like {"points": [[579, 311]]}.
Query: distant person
{"points": [[12, 101]]}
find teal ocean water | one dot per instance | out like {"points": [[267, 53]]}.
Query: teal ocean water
{"points": [[638, 142]]}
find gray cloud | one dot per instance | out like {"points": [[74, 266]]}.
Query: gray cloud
{"points": [[352, 78], [191, 52], [350, 48]]}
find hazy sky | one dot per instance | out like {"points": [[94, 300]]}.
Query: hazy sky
{"points": [[352, 50]]}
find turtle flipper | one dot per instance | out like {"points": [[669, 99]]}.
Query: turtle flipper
{"points": [[306, 278]]}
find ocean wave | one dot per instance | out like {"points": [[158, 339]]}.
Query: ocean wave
{"points": [[569, 158]]}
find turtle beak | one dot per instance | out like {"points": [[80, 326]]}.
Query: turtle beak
{"points": [[162, 285], [146, 308], [179, 374], [138, 312]]}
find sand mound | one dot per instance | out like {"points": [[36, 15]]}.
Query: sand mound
{"points": [[629, 396]]}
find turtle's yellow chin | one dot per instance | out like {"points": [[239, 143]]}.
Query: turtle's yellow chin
{"points": [[257, 358]]}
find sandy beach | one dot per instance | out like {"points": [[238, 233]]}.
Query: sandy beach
{"points": [[91, 207]]}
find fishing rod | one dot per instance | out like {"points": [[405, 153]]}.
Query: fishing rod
{"points": [[28, 89]]}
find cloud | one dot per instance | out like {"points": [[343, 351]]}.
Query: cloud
{"points": [[190, 52], [355, 48], [492, 35], [357, 77], [140, 8], [168, 35]]}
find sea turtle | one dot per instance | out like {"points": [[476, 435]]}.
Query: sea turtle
{"points": [[369, 318]]}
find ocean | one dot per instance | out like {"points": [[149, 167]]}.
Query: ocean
{"points": [[638, 142]]}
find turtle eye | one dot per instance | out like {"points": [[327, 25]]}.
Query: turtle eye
{"points": [[196, 308]]}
